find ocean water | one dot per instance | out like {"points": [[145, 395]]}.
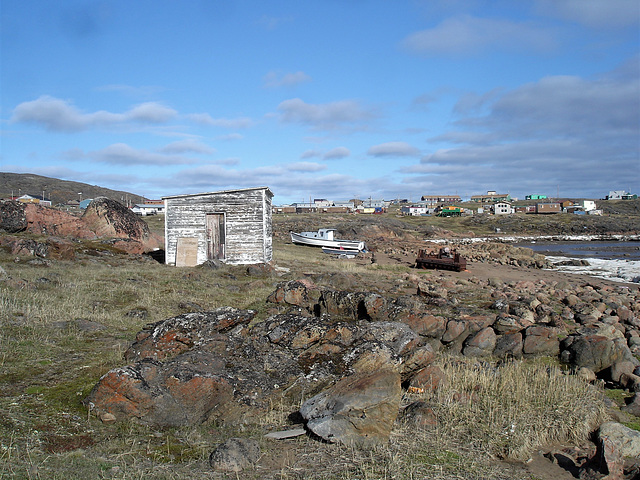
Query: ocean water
{"points": [[617, 261]]}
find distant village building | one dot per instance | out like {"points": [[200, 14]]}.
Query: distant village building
{"points": [[414, 210], [284, 209], [34, 199], [620, 195], [433, 201], [145, 209], [502, 208], [233, 226], [553, 207], [305, 207], [491, 197], [349, 206], [525, 209], [321, 202], [535, 197], [587, 205]]}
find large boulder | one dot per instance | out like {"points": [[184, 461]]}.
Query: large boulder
{"points": [[618, 443], [480, 344], [209, 354], [596, 352], [540, 340], [358, 410], [508, 345], [110, 219]]}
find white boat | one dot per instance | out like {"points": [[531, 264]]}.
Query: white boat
{"points": [[324, 237]]}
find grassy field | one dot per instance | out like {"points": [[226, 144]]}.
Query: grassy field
{"points": [[65, 324]]}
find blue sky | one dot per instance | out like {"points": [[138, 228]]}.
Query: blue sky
{"points": [[324, 99]]}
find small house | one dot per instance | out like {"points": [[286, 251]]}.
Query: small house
{"points": [[41, 200], [620, 195], [414, 210], [284, 209], [232, 226], [553, 207], [502, 208], [491, 197], [525, 209], [306, 207], [435, 200], [145, 209]]}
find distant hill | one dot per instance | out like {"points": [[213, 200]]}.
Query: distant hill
{"points": [[59, 191]]}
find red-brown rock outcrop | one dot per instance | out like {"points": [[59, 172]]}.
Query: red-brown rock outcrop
{"points": [[103, 219]]}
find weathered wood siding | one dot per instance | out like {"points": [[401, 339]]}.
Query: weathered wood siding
{"points": [[247, 220]]}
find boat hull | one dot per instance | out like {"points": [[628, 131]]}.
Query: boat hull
{"points": [[323, 242], [340, 252]]}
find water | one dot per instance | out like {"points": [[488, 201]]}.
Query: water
{"points": [[618, 261], [601, 250]]}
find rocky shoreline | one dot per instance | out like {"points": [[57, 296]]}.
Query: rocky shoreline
{"points": [[359, 351]]}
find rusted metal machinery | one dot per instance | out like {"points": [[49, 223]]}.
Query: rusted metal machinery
{"points": [[445, 259]]}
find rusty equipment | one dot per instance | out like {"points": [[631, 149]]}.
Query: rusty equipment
{"points": [[445, 259]]}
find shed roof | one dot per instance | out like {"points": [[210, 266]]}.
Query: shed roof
{"points": [[221, 191]]}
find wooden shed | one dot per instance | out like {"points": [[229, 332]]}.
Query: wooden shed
{"points": [[233, 226]]}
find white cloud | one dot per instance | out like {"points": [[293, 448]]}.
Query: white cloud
{"points": [[59, 115], [54, 114], [276, 80], [231, 161], [324, 116], [393, 149], [469, 35], [337, 153], [187, 146], [232, 123], [310, 154], [123, 154], [151, 112]]}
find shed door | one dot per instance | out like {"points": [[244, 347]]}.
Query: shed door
{"points": [[215, 236]]}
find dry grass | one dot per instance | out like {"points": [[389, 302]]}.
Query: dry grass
{"points": [[515, 407]]}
